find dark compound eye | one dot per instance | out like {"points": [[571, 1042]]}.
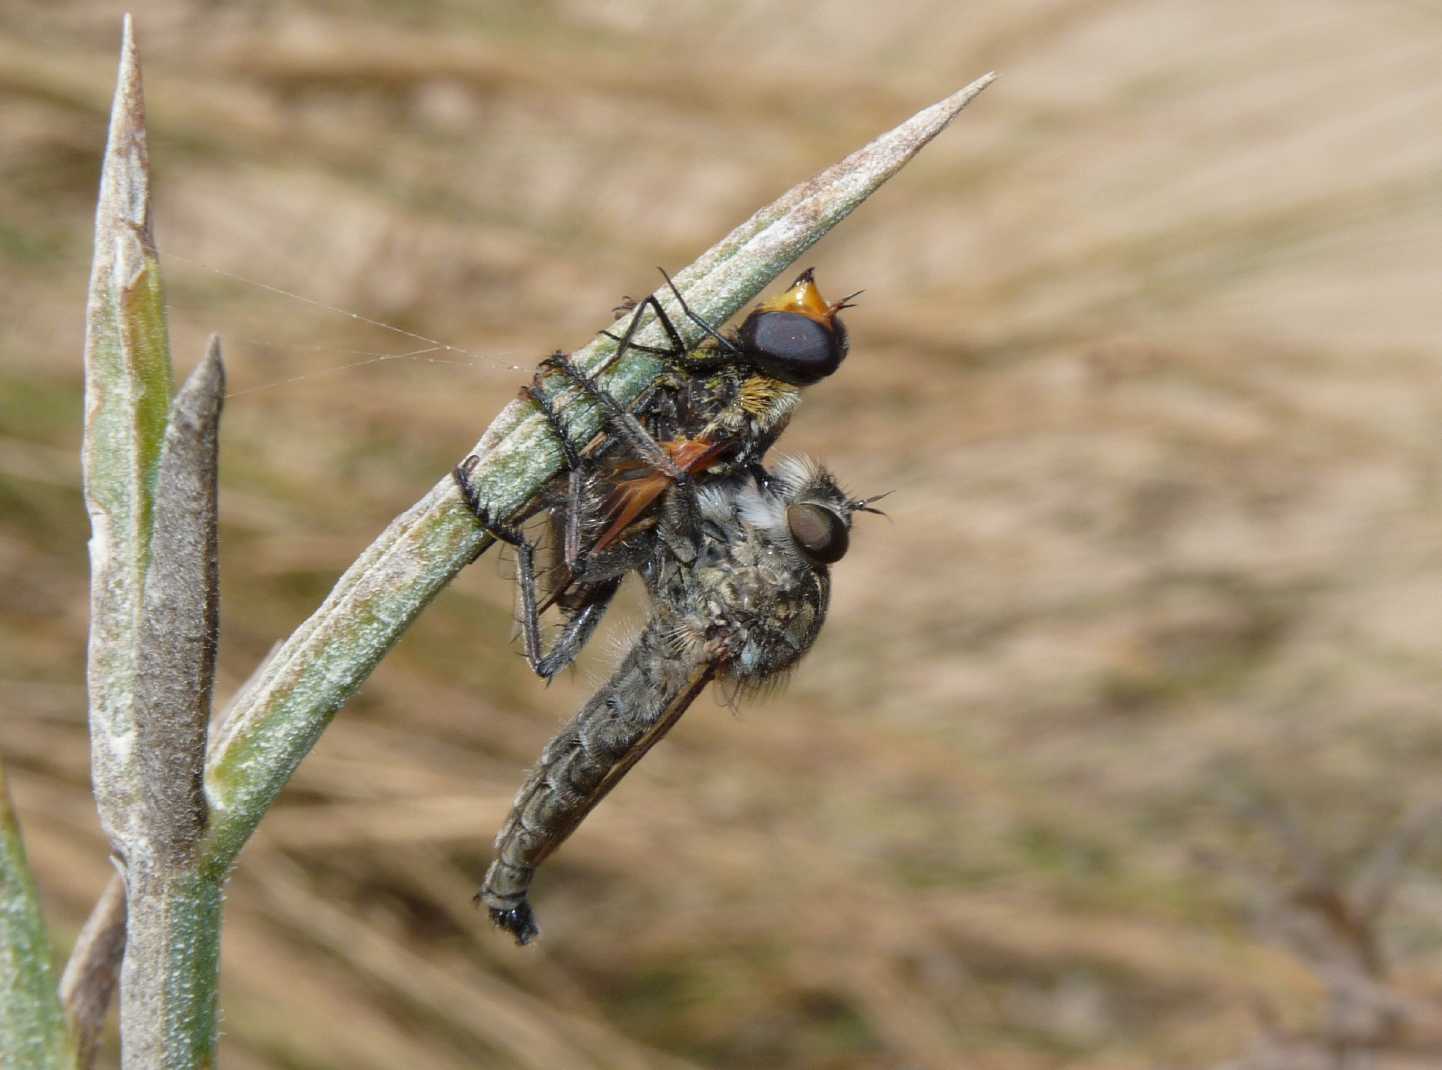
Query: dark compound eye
{"points": [[792, 346], [820, 534]]}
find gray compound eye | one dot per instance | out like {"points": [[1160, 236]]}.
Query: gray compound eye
{"points": [[820, 534]]}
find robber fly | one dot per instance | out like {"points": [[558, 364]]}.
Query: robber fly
{"points": [[715, 411], [739, 591]]}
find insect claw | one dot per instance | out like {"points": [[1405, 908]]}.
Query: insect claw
{"points": [[461, 473], [519, 921], [552, 363]]}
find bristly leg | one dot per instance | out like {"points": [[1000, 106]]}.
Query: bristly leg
{"points": [[586, 610], [624, 424], [525, 570], [724, 350], [536, 393], [577, 468], [678, 347], [726, 346], [461, 473]]}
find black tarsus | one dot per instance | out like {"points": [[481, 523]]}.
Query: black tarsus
{"points": [[519, 921]]}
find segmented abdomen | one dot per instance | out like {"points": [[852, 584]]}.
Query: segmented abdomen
{"points": [[647, 694]]}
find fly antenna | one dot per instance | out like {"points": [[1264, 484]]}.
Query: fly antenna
{"points": [[863, 505]]}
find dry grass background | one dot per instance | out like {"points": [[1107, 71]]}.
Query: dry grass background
{"points": [[1149, 351]]}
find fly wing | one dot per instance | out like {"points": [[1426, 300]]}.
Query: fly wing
{"points": [[635, 488], [633, 496]]}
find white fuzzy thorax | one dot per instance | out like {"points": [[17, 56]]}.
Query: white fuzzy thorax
{"points": [[792, 479]]}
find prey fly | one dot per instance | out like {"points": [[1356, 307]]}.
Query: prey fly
{"points": [[715, 411]]}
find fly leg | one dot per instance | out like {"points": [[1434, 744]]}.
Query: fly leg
{"points": [[581, 622], [525, 558], [678, 347], [724, 350], [585, 592], [727, 347], [630, 431], [578, 469], [622, 423], [595, 582], [586, 600]]}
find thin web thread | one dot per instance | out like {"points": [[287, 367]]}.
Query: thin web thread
{"points": [[432, 345]]}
